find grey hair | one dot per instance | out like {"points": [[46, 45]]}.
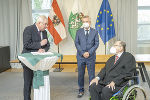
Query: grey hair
{"points": [[86, 16], [123, 44]]}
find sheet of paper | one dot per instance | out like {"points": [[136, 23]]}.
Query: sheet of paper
{"points": [[45, 53]]}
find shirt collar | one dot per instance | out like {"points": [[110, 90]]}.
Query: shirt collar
{"points": [[119, 55], [37, 27], [86, 29]]}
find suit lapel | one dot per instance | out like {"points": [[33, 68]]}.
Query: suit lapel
{"points": [[36, 32], [83, 34], [90, 33], [110, 66], [118, 61]]}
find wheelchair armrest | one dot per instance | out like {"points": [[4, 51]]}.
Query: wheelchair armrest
{"points": [[131, 78]]}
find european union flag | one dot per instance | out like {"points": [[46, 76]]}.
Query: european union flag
{"points": [[105, 23]]}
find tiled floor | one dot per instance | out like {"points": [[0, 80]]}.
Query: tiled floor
{"points": [[57, 79], [64, 86]]}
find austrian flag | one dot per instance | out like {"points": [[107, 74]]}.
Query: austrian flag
{"points": [[56, 25]]}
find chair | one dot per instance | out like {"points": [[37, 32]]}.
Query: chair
{"points": [[131, 91]]}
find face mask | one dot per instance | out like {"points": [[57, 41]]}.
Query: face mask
{"points": [[86, 25], [113, 50]]}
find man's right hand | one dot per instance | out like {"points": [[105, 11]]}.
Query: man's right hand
{"points": [[95, 80], [43, 42]]}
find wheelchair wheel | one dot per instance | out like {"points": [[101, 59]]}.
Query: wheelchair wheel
{"points": [[135, 92]]}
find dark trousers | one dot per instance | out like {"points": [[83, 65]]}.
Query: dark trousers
{"points": [[81, 72], [101, 92], [28, 76]]}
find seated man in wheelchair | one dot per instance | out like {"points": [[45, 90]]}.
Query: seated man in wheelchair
{"points": [[112, 77]]}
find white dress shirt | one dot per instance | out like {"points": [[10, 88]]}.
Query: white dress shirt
{"points": [[40, 33], [87, 29]]}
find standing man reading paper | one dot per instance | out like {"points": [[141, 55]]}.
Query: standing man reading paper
{"points": [[86, 42], [34, 40]]}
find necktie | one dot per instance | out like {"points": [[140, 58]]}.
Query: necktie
{"points": [[116, 58], [87, 34], [39, 32]]}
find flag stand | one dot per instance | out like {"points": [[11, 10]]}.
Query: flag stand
{"points": [[58, 69]]}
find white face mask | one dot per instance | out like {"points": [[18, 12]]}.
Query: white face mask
{"points": [[86, 25], [113, 50]]}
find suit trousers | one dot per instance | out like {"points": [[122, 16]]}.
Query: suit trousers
{"points": [[81, 72], [28, 76], [101, 92]]}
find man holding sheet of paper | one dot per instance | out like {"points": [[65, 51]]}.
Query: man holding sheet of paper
{"points": [[34, 40]]}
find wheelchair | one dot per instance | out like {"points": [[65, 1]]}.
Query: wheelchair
{"points": [[131, 91]]}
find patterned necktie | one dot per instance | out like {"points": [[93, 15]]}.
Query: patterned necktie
{"points": [[116, 58]]}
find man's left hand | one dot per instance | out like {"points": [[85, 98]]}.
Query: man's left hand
{"points": [[111, 85]]}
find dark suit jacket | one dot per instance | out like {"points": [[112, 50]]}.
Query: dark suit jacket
{"points": [[91, 45], [31, 39], [125, 66]]}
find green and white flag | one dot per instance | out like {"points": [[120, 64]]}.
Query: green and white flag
{"points": [[75, 19]]}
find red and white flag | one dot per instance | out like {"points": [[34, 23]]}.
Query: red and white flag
{"points": [[56, 25]]}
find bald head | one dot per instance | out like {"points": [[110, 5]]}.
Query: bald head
{"points": [[42, 22], [41, 18]]}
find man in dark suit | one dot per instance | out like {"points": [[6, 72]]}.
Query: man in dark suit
{"points": [[111, 78], [86, 42], [34, 40]]}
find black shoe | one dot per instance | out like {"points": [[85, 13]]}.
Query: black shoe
{"points": [[80, 94]]}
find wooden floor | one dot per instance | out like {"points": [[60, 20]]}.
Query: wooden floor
{"points": [[67, 68]]}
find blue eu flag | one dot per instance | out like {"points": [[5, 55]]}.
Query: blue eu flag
{"points": [[105, 23]]}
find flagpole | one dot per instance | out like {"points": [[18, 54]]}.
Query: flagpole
{"points": [[58, 69], [105, 48], [105, 26], [58, 48]]}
